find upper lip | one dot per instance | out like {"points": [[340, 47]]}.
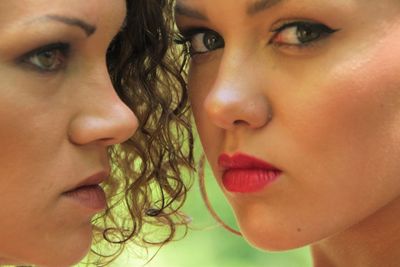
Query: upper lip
{"points": [[94, 179], [243, 161]]}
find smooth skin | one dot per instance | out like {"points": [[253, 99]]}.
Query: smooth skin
{"points": [[59, 113], [312, 87]]}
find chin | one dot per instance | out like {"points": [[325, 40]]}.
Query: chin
{"points": [[64, 257], [62, 252], [273, 237], [60, 258], [73, 252], [272, 242]]}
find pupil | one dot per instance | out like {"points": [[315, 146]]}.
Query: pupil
{"points": [[307, 33], [47, 58], [212, 41]]}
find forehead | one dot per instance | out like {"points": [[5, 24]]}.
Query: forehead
{"points": [[241, 2], [91, 10], [254, 5], [228, 10], [251, 6], [199, 8]]}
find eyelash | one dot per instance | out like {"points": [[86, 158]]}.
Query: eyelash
{"points": [[186, 37], [60, 51]]}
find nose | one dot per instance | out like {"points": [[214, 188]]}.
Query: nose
{"points": [[102, 116], [237, 98]]}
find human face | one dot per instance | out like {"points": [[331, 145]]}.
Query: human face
{"points": [[58, 114], [313, 89]]}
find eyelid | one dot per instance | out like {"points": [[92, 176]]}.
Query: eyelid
{"points": [[188, 33], [294, 23], [289, 24]]}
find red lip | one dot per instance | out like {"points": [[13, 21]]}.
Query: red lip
{"points": [[88, 192], [246, 174]]}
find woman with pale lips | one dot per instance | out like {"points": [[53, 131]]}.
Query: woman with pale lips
{"points": [[62, 116], [297, 105]]}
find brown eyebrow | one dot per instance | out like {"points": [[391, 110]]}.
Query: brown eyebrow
{"points": [[182, 10], [89, 29], [262, 5]]}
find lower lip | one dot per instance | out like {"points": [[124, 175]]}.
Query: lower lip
{"points": [[248, 180], [91, 197]]}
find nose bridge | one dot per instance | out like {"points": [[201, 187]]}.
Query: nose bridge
{"points": [[102, 115], [238, 95]]}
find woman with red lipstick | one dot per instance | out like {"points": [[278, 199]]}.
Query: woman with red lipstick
{"points": [[297, 107], [62, 117]]}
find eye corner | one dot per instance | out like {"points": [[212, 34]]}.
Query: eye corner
{"points": [[179, 39]]}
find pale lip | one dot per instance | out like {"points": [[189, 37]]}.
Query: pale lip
{"points": [[88, 193], [94, 179], [246, 174]]}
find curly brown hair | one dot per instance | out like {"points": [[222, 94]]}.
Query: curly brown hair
{"points": [[146, 187]]}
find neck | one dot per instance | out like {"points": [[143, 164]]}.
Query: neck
{"points": [[373, 242]]}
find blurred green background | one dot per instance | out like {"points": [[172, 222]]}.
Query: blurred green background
{"points": [[209, 245]]}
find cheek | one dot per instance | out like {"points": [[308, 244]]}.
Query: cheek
{"points": [[200, 83], [347, 94], [352, 111], [32, 163]]}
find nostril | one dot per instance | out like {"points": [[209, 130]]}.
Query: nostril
{"points": [[240, 122]]}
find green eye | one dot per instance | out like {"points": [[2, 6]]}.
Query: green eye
{"points": [[201, 40], [211, 40], [50, 58], [206, 41], [301, 33]]}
